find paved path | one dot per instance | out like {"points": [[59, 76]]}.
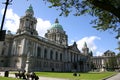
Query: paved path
{"points": [[116, 77], [40, 78]]}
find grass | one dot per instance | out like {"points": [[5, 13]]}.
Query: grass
{"points": [[96, 76], [8, 78], [83, 76]]}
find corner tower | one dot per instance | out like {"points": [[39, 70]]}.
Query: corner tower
{"points": [[28, 23], [57, 34], [85, 49]]}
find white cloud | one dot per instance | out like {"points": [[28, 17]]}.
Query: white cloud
{"points": [[98, 53], [42, 26], [11, 20], [90, 43], [12, 23]]}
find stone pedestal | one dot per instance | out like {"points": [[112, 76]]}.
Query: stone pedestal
{"points": [[27, 65], [103, 66]]}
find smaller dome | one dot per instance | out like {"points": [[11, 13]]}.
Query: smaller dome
{"points": [[30, 11], [56, 25]]}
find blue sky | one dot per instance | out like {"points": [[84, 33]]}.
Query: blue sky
{"points": [[78, 29]]}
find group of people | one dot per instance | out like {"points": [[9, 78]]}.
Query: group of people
{"points": [[26, 76], [75, 74]]}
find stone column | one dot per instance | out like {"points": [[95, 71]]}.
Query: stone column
{"points": [[24, 48], [42, 51], [35, 49], [54, 55]]}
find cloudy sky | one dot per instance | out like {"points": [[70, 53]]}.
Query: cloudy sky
{"points": [[78, 29]]}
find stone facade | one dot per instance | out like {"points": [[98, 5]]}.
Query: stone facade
{"points": [[26, 50], [108, 61]]}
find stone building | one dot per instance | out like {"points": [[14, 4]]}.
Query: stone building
{"points": [[108, 61], [26, 50]]}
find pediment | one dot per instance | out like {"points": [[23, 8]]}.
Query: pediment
{"points": [[74, 47]]}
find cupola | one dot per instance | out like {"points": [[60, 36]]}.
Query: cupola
{"points": [[56, 25], [57, 34], [28, 23], [30, 11]]}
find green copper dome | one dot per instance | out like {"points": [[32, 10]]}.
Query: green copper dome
{"points": [[56, 25], [30, 11]]}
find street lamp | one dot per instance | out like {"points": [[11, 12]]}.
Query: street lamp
{"points": [[2, 32], [118, 37]]}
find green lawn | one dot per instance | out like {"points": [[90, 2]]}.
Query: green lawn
{"points": [[8, 78], [83, 76]]}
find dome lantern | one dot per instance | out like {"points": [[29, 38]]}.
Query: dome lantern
{"points": [[56, 25], [30, 11]]}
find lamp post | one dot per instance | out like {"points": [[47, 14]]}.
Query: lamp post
{"points": [[118, 37], [3, 32]]}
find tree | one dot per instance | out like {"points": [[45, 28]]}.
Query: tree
{"points": [[91, 53], [107, 66], [112, 63], [93, 66], [118, 54], [105, 12]]}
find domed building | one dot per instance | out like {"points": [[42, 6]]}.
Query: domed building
{"points": [[57, 34], [109, 61], [26, 50]]}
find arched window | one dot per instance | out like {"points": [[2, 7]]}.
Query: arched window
{"points": [[45, 53], [38, 52], [74, 57], [71, 57], [56, 56], [61, 57], [51, 54], [77, 57], [3, 51]]}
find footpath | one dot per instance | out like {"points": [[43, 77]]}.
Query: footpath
{"points": [[115, 77], [40, 78]]}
